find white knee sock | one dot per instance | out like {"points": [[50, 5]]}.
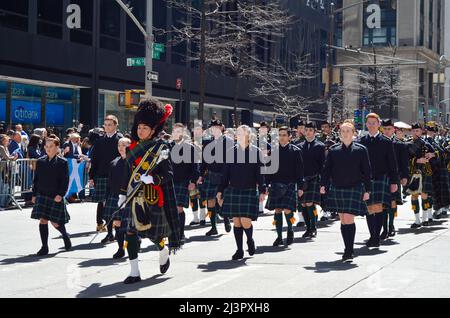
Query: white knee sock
{"points": [[300, 217], [195, 213], [430, 214], [202, 214], [163, 256], [134, 268], [261, 206], [417, 218], [424, 216]]}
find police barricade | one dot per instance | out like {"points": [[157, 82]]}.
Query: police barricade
{"points": [[16, 180]]}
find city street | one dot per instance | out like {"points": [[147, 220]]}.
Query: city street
{"points": [[414, 264]]}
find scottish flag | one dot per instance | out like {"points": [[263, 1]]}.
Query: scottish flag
{"points": [[76, 179]]}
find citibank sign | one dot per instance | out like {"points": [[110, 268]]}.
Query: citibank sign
{"points": [[374, 19], [25, 112], [73, 20]]}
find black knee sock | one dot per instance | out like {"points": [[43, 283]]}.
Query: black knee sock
{"points": [[110, 228], [289, 218], [385, 219], [312, 216], [344, 236], [306, 217], [249, 233], [351, 236], [120, 237], [238, 235], [371, 224], [182, 217], [43, 231], [213, 217], [132, 246], [100, 213], [379, 218], [392, 217], [62, 229], [278, 219]]}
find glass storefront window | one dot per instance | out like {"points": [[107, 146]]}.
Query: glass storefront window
{"points": [[83, 35], [26, 108], [59, 108], [2, 101], [109, 25], [14, 14], [50, 18], [109, 105]]}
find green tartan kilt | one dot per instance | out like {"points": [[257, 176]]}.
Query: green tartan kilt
{"points": [[46, 208], [288, 201], [182, 193], [312, 192], [110, 207], [427, 184], [348, 200], [241, 203], [208, 190], [100, 192], [380, 192]]}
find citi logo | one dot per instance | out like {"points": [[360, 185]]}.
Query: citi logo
{"points": [[23, 114]]}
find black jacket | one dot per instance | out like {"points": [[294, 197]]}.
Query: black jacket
{"points": [[103, 152], [290, 168], [185, 162], [313, 154], [51, 177]]}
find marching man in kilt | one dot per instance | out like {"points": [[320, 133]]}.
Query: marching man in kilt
{"points": [[238, 195], [313, 153], [422, 155], [117, 173], [346, 182], [103, 152], [213, 157], [384, 174], [50, 184], [148, 191], [402, 159], [185, 171], [299, 125], [285, 185]]}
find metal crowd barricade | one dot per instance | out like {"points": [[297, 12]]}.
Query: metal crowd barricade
{"points": [[16, 179]]}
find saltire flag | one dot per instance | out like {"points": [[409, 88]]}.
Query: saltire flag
{"points": [[76, 176]]}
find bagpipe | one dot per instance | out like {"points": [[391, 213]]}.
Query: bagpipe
{"points": [[417, 149]]}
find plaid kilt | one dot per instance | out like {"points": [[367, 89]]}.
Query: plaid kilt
{"points": [[242, 203], [380, 192], [47, 208], [348, 200], [110, 207], [427, 184], [182, 193], [100, 192], [312, 192], [208, 191], [288, 201]]}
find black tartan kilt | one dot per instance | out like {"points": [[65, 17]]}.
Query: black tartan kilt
{"points": [[241, 203], [348, 200], [427, 184], [110, 207], [182, 193], [380, 192], [100, 191], [312, 192], [46, 208], [288, 201], [208, 190]]}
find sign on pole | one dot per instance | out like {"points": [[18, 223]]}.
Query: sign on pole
{"points": [[153, 76]]}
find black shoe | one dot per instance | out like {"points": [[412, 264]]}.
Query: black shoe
{"points": [[306, 234], [430, 221], [334, 215], [426, 223], [67, 243], [313, 233], [194, 223], [347, 257], [290, 238], [416, 226], [119, 254], [139, 245], [227, 226], [384, 235], [213, 231], [163, 268], [109, 238], [261, 212], [132, 280], [278, 241], [300, 224], [238, 255], [202, 223], [43, 251], [323, 219], [373, 244], [251, 247], [391, 232], [444, 212]]}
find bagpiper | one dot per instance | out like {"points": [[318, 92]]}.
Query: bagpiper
{"points": [[241, 189], [384, 176], [148, 191], [286, 185], [346, 180], [50, 183], [313, 153]]}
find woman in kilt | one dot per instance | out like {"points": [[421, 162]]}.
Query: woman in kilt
{"points": [[150, 195], [286, 184], [384, 174], [49, 192], [313, 153], [241, 179], [185, 172], [117, 172], [198, 204], [346, 181]]}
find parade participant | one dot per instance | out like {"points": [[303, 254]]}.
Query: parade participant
{"points": [[198, 204], [285, 185], [313, 153], [264, 144], [421, 156], [299, 126], [346, 182], [50, 183], [402, 159], [117, 173], [148, 190], [213, 158], [185, 171], [237, 194], [440, 178], [384, 174], [103, 152]]}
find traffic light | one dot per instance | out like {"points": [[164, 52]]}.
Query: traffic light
{"points": [[130, 98]]}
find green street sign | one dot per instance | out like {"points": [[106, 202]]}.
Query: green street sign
{"points": [[136, 61], [159, 47], [156, 55]]}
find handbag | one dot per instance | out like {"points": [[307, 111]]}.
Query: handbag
{"points": [[415, 185], [278, 190]]}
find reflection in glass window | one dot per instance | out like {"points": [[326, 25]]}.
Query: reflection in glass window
{"points": [[50, 18], [83, 35], [109, 25]]}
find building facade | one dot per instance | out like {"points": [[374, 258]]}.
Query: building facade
{"points": [[406, 33], [64, 62]]}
